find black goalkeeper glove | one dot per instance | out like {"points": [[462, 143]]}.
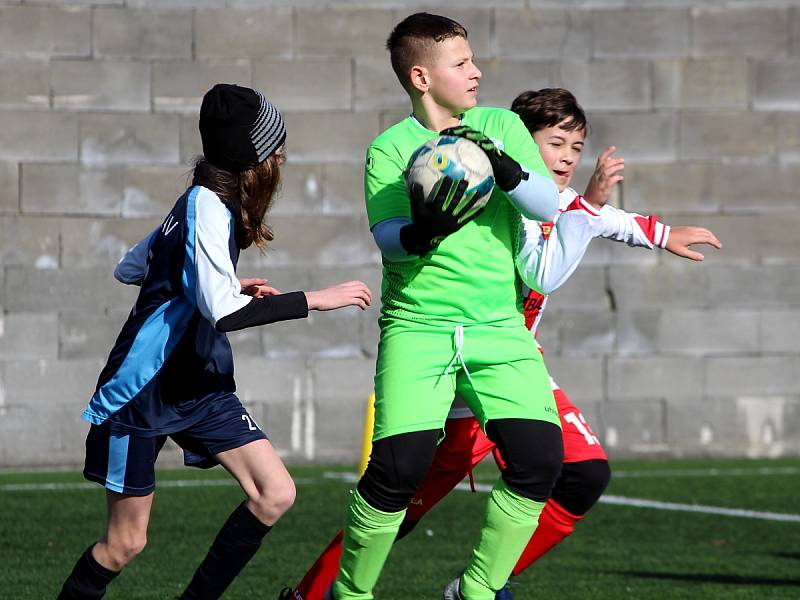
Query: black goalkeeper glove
{"points": [[445, 211], [507, 172]]}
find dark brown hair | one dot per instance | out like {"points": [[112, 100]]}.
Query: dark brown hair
{"points": [[248, 195], [549, 107], [412, 40]]}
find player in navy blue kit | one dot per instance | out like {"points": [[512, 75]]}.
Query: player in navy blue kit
{"points": [[170, 372]]}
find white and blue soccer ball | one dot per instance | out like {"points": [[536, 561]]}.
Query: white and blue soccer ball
{"points": [[454, 157]]}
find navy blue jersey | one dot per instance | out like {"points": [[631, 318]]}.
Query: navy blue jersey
{"points": [[169, 362]]}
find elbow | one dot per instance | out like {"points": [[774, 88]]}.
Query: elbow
{"points": [[546, 288], [120, 276], [542, 286], [223, 323], [541, 283]]}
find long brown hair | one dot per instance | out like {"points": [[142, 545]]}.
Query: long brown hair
{"points": [[248, 195]]}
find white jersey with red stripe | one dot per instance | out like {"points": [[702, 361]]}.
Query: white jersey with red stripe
{"points": [[550, 252]]}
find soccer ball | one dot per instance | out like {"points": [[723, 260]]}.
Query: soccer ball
{"points": [[454, 157]]}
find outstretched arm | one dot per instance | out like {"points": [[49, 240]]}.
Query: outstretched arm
{"points": [[635, 229], [227, 303], [280, 307]]}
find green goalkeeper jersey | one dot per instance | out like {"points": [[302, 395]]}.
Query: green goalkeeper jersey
{"points": [[470, 277]]}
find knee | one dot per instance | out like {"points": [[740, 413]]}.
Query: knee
{"points": [[397, 466], [121, 550], [595, 475], [533, 452], [271, 503], [581, 484], [533, 478]]}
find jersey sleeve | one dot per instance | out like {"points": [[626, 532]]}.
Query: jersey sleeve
{"points": [[635, 230], [550, 252], [217, 290], [384, 185], [132, 267]]}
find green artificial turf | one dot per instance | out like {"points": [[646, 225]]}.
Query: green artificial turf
{"points": [[617, 552]]}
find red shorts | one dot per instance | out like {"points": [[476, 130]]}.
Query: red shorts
{"points": [[465, 445], [580, 442]]}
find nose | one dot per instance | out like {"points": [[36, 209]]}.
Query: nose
{"points": [[476, 73]]}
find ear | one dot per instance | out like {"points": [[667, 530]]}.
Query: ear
{"points": [[420, 78]]}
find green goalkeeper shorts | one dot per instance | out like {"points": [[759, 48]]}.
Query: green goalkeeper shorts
{"points": [[498, 371]]}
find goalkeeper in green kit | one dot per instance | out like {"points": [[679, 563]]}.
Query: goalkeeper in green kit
{"points": [[451, 318]]}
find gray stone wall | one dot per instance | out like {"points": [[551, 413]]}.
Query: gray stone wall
{"points": [[98, 104]]}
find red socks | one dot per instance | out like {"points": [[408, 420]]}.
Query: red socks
{"points": [[322, 573], [555, 524]]}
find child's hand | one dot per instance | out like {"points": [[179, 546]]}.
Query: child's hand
{"points": [[605, 177], [444, 212], [680, 238], [257, 288], [351, 293]]}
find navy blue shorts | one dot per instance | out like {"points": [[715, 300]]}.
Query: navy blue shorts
{"points": [[125, 463]]}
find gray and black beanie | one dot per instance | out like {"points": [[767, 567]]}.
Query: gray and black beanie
{"points": [[239, 127]]}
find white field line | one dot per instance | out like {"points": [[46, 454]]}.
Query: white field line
{"points": [[699, 508], [708, 472], [675, 506], [485, 488], [88, 485]]}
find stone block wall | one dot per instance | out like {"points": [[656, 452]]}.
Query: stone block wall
{"points": [[98, 103]]}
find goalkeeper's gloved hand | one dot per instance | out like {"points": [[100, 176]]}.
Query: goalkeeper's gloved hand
{"points": [[445, 211], [507, 172]]}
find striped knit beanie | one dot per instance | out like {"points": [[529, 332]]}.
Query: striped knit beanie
{"points": [[239, 127]]}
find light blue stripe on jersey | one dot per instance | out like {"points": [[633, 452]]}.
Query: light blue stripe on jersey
{"points": [[189, 278], [117, 462], [153, 344], [155, 340]]}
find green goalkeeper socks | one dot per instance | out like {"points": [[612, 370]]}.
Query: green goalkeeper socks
{"points": [[368, 537], [511, 519]]}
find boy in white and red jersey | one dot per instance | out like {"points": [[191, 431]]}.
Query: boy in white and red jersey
{"points": [[548, 254]]}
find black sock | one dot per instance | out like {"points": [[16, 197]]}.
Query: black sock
{"points": [[234, 546], [88, 579]]}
